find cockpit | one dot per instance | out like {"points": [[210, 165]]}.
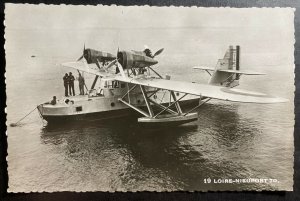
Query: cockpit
{"points": [[112, 84], [106, 84]]}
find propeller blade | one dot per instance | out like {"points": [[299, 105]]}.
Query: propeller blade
{"points": [[158, 52], [80, 58], [120, 69], [82, 53], [111, 64]]}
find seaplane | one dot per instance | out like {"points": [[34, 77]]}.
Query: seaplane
{"points": [[129, 84]]}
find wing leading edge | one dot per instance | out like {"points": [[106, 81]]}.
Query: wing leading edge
{"points": [[214, 92], [81, 66]]}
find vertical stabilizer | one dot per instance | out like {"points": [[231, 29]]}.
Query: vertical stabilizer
{"points": [[230, 61]]}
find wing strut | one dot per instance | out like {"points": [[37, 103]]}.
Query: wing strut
{"points": [[176, 103], [147, 101], [163, 107], [161, 118], [132, 88], [200, 104], [155, 72], [95, 81], [170, 105], [135, 108]]}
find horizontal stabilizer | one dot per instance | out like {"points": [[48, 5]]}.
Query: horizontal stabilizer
{"points": [[204, 68]]}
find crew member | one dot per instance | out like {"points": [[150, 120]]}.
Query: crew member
{"points": [[148, 53], [81, 84], [71, 84], [66, 84], [53, 101]]}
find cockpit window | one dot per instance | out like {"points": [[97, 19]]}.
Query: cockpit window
{"points": [[112, 84], [115, 84]]}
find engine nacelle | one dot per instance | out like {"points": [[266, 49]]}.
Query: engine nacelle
{"points": [[130, 60], [93, 56]]}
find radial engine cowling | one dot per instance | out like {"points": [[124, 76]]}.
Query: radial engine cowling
{"points": [[130, 60], [93, 56]]}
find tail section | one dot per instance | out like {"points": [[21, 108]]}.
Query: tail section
{"points": [[227, 71], [231, 61]]}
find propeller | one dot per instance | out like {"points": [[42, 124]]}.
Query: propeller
{"points": [[80, 58], [111, 63], [120, 69], [82, 53], [148, 51], [158, 52]]}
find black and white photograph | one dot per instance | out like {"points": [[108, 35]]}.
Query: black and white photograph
{"points": [[145, 98]]}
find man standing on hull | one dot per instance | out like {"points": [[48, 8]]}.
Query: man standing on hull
{"points": [[81, 84], [71, 84], [66, 84]]}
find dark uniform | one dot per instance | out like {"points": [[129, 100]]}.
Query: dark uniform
{"points": [[66, 83], [53, 101], [148, 53], [71, 84], [81, 84]]}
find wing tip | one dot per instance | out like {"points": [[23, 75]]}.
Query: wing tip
{"points": [[203, 68], [273, 100], [282, 100]]}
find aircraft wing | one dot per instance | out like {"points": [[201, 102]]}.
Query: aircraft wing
{"points": [[81, 66], [210, 91], [204, 68]]}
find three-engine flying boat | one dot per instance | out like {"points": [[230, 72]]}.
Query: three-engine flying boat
{"points": [[129, 83]]}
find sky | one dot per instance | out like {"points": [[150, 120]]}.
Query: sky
{"points": [[181, 30], [28, 16]]}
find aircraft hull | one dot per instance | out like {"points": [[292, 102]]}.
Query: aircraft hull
{"points": [[95, 116], [97, 110]]}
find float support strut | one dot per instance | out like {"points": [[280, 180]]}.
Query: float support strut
{"points": [[170, 105], [135, 108], [176, 103], [147, 101], [200, 104]]}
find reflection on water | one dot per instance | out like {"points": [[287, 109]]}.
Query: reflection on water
{"points": [[146, 154], [132, 158]]}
